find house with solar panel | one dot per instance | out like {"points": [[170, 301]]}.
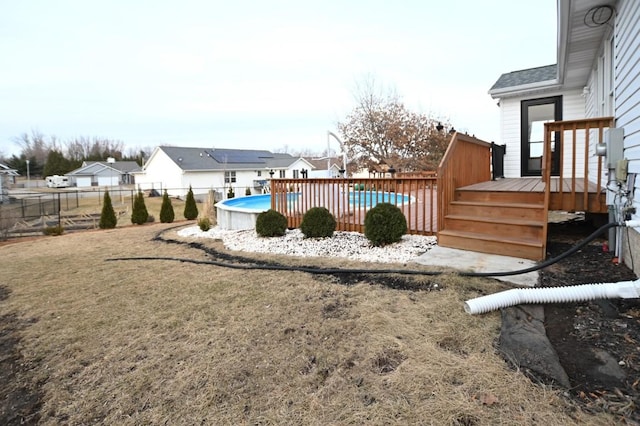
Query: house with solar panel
{"points": [[176, 168]]}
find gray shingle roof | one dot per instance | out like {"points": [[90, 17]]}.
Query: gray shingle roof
{"points": [[121, 166], [90, 168], [221, 158], [524, 77]]}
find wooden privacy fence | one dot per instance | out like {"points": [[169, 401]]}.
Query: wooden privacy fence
{"points": [[466, 161], [349, 200]]}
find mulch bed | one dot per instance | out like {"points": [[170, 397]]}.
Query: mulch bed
{"points": [[588, 335]]}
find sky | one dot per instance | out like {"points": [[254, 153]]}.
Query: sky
{"points": [[249, 74]]}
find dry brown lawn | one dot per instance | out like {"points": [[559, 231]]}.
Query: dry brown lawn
{"points": [[165, 342]]}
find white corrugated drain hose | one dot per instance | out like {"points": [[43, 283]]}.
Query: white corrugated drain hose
{"points": [[576, 293]]}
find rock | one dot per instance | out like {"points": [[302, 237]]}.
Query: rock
{"points": [[523, 341]]}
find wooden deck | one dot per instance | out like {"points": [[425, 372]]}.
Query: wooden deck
{"points": [[528, 184], [570, 198]]}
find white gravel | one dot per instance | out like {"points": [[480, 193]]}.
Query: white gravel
{"points": [[351, 245]]}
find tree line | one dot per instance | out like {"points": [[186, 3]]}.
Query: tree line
{"points": [[47, 155], [379, 130]]}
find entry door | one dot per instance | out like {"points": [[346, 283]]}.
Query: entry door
{"points": [[534, 113]]}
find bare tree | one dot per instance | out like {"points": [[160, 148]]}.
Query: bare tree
{"points": [[95, 148], [34, 146], [381, 129]]}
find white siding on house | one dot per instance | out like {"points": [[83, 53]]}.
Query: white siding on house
{"points": [[573, 108], [511, 135], [83, 182], [160, 173], [627, 86], [202, 181]]}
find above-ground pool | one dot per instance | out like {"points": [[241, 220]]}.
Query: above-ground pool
{"points": [[242, 212]]}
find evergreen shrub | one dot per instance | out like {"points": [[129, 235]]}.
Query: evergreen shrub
{"points": [[271, 224], [139, 215], [318, 222], [108, 219], [190, 208], [384, 224], [53, 230], [204, 224], [166, 209]]}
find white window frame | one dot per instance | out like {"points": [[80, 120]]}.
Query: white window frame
{"points": [[229, 177]]}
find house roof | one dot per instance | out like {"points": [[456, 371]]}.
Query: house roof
{"points": [[582, 25], [196, 159], [321, 164], [90, 168], [526, 77], [121, 166], [6, 170]]}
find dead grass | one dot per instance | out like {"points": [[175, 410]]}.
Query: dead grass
{"points": [[140, 342]]}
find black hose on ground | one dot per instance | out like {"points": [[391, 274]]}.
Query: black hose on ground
{"points": [[333, 271]]}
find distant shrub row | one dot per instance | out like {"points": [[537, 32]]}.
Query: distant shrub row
{"points": [[140, 215]]}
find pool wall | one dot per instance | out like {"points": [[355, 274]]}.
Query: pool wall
{"points": [[230, 217]]}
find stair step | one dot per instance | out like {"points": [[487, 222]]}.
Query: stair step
{"points": [[500, 196], [500, 204], [503, 227], [498, 210], [496, 220], [528, 248]]}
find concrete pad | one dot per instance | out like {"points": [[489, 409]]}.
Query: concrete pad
{"points": [[465, 260]]}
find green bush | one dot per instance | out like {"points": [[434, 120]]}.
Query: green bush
{"points": [[271, 224], [166, 209], [384, 224], [190, 208], [247, 191], [53, 230], [318, 222], [139, 215], [230, 193], [108, 219], [204, 224]]}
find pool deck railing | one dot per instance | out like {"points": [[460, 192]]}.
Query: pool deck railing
{"points": [[415, 196]]}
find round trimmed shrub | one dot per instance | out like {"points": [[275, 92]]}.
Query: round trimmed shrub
{"points": [[204, 224], [271, 224], [318, 222], [384, 224]]}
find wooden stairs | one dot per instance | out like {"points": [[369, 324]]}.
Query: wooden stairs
{"points": [[501, 222]]}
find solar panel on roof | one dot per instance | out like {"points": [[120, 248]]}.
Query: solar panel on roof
{"points": [[232, 156]]}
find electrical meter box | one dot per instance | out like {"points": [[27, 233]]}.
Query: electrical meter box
{"points": [[614, 140]]}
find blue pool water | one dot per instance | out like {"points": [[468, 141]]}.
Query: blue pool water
{"points": [[358, 198]]}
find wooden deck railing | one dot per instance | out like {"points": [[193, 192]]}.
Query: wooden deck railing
{"points": [[577, 161], [349, 200], [466, 161]]}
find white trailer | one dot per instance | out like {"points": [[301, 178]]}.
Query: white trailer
{"points": [[57, 181]]}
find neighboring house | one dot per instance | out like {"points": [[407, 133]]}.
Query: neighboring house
{"points": [[320, 166], [597, 74], [7, 177], [8, 173], [176, 168], [103, 173]]}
